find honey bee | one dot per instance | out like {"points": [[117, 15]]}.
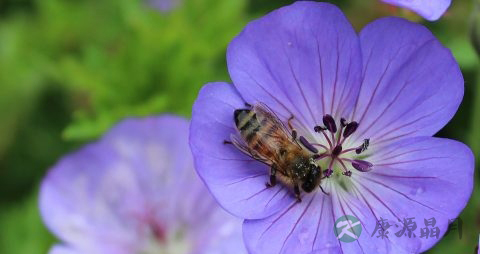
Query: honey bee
{"points": [[265, 138]]}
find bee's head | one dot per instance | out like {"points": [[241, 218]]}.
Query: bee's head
{"points": [[312, 179], [240, 114]]}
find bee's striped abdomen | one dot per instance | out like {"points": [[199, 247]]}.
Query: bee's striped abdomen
{"points": [[256, 132], [247, 123]]}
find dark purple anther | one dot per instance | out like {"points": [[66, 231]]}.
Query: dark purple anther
{"points": [[361, 165], [363, 147], [319, 128], [350, 129], [337, 150], [327, 172], [366, 143], [329, 122], [343, 122], [347, 173], [307, 145]]}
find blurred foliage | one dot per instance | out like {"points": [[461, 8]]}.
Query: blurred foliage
{"points": [[22, 229], [70, 69], [128, 59]]}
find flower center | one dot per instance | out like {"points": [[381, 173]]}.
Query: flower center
{"points": [[335, 153], [161, 241]]}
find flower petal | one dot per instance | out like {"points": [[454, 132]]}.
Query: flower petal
{"points": [[235, 180], [106, 197], [429, 9], [93, 247], [94, 188], [308, 227], [412, 84], [298, 228], [71, 187], [425, 175], [302, 60], [421, 177], [157, 149], [351, 204], [62, 249], [222, 236]]}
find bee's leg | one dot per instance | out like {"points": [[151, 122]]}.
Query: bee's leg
{"points": [[248, 105], [226, 142], [323, 190], [273, 179], [294, 132], [296, 189]]}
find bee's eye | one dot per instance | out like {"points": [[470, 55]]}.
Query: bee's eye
{"points": [[314, 170], [308, 186]]}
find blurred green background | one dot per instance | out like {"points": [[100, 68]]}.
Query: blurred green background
{"points": [[70, 69]]}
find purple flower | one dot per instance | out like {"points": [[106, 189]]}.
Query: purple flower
{"points": [[429, 9], [135, 191], [394, 85], [164, 5]]}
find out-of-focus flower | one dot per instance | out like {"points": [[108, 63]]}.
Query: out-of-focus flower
{"points": [[429, 9], [135, 191], [394, 84], [164, 5]]}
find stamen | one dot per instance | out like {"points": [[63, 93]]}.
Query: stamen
{"points": [[348, 150], [320, 145], [350, 129], [158, 231], [322, 130], [327, 172], [329, 122], [332, 135], [361, 165], [307, 145], [363, 147], [336, 151], [340, 140], [319, 128], [320, 156], [346, 171]]}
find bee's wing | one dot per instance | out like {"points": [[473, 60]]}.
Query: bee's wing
{"points": [[242, 146], [263, 111]]}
